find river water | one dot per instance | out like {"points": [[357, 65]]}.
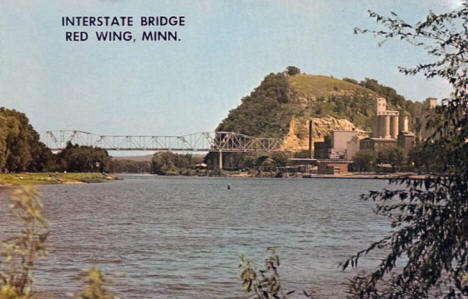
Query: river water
{"points": [[180, 237]]}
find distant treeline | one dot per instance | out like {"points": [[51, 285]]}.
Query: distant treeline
{"points": [[130, 166], [168, 163]]}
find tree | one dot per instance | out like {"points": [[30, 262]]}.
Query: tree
{"points": [[429, 216], [364, 161], [292, 70], [170, 163], [20, 148], [394, 156], [75, 158]]}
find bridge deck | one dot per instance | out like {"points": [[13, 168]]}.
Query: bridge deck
{"points": [[197, 142]]}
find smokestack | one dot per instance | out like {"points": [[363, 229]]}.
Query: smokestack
{"points": [[311, 141]]}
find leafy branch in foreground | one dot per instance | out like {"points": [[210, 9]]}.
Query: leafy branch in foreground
{"points": [[96, 284], [20, 251], [429, 216], [266, 283]]}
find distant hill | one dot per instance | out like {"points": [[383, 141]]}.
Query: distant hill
{"points": [[283, 99]]}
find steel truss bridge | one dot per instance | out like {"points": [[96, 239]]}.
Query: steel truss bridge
{"points": [[197, 142]]}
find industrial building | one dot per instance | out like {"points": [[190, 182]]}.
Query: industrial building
{"points": [[376, 144], [332, 166], [390, 129], [337, 145], [388, 123]]}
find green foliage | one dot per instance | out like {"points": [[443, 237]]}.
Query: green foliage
{"points": [[20, 251], [45, 178], [20, 148], [395, 156], [350, 80], [364, 161], [263, 284], [357, 108], [430, 216], [316, 86], [244, 161], [292, 70], [265, 112], [96, 285], [302, 154], [76, 158], [424, 158], [393, 98], [129, 166], [280, 158], [164, 163]]}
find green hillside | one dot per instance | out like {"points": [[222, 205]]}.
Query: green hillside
{"points": [[267, 111], [322, 86]]}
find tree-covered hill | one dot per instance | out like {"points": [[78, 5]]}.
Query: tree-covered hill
{"points": [[269, 109]]}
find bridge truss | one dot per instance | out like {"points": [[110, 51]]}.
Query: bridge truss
{"points": [[197, 142]]}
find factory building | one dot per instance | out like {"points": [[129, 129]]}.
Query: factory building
{"points": [[390, 129], [388, 123], [336, 146], [376, 145], [332, 166], [339, 143]]}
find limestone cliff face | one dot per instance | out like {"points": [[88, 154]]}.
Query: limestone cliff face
{"points": [[297, 138]]}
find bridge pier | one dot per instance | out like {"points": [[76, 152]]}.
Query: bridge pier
{"points": [[220, 156]]}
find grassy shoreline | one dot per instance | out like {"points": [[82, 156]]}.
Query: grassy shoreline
{"points": [[47, 178]]}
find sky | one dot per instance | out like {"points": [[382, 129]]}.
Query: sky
{"points": [[174, 88]]}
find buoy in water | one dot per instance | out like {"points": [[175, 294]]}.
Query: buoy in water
{"points": [[229, 186]]}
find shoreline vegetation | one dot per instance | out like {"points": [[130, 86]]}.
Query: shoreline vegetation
{"points": [[353, 175], [48, 178]]}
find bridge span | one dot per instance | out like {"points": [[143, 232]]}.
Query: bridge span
{"points": [[219, 142]]}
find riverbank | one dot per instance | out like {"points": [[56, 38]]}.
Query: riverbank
{"points": [[349, 175], [47, 178], [369, 176], [273, 174]]}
